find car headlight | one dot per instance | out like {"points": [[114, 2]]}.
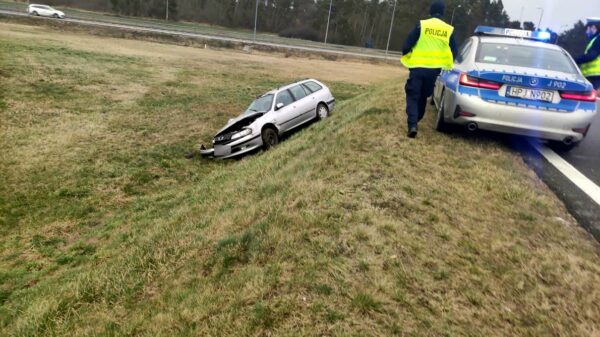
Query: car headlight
{"points": [[241, 134]]}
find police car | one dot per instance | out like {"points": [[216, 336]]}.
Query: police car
{"points": [[513, 81]]}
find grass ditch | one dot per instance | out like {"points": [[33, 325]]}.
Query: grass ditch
{"points": [[347, 228]]}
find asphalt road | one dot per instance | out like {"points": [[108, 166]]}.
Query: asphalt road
{"points": [[586, 156], [166, 28]]}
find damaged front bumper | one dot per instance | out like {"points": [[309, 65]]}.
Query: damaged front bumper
{"points": [[233, 149]]}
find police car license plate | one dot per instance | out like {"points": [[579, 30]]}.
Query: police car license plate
{"points": [[532, 94]]}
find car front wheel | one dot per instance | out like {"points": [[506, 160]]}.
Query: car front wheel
{"points": [[55, 16], [35, 14], [270, 138]]}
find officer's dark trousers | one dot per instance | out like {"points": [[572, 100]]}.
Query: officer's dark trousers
{"points": [[418, 88], [595, 80]]}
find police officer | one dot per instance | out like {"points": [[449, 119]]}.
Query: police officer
{"points": [[590, 61], [430, 47]]}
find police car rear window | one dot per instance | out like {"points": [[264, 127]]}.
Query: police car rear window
{"points": [[524, 56]]}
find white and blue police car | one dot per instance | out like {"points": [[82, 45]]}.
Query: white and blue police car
{"points": [[514, 81]]}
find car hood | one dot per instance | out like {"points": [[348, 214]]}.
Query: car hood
{"points": [[239, 122]]}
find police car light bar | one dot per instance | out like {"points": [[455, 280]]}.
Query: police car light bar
{"points": [[508, 32]]}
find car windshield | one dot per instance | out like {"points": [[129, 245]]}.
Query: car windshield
{"points": [[262, 104], [525, 56]]}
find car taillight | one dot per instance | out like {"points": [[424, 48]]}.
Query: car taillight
{"points": [[466, 114], [589, 96], [471, 81]]}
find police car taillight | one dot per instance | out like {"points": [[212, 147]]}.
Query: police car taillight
{"points": [[589, 96], [471, 81]]}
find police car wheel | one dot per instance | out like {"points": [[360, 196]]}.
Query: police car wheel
{"points": [[270, 138], [562, 147], [440, 123]]}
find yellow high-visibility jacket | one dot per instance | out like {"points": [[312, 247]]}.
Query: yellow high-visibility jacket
{"points": [[433, 48], [591, 68]]}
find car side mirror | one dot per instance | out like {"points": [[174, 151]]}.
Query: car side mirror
{"points": [[279, 106]]}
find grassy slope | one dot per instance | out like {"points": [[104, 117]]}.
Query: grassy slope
{"points": [[347, 228]]}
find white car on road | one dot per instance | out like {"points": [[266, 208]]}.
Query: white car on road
{"points": [[43, 10]]}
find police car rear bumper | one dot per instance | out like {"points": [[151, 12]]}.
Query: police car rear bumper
{"points": [[543, 124]]}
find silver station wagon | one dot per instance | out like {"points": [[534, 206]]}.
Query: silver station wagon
{"points": [[270, 116]]}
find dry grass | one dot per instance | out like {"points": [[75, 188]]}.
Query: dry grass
{"points": [[262, 64], [345, 229]]}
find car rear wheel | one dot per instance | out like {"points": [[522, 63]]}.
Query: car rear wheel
{"points": [[562, 147], [440, 123], [35, 13], [270, 138], [322, 111]]}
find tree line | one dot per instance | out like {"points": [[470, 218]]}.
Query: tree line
{"points": [[352, 22]]}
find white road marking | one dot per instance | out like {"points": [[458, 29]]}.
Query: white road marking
{"points": [[584, 183]]}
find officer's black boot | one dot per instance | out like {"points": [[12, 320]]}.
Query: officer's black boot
{"points": [[412, 132]]}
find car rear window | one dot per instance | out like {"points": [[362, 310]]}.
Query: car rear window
{"points": [[525, 56], [313, 86]]}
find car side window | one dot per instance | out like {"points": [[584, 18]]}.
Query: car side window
{"points": [[298, 92], [464, 51], [284, 97], [306, 90], [314, 87]]}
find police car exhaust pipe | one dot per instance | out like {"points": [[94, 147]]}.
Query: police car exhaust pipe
{"points": [[568, 141], [472, 127]]}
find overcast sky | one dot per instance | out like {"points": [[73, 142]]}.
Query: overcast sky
{"points": [[556, 12]]}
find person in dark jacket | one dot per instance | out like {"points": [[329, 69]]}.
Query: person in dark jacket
{"points": [[429, 47], [589, 62]]}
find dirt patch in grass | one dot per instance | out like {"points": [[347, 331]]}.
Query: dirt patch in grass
{"points": [[346, 228]]}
